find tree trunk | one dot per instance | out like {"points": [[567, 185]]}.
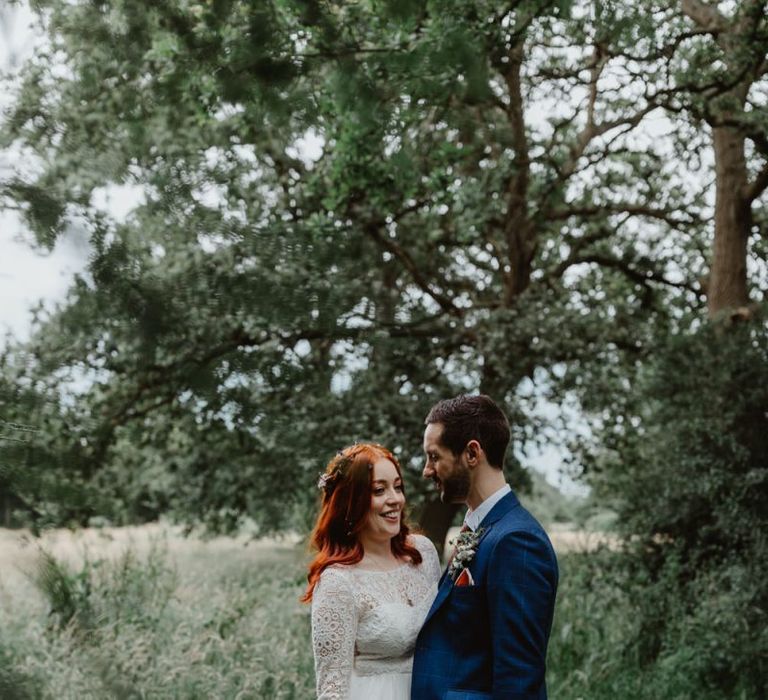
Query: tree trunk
{"points": [[435, 519], [5, 511], [727, 287]]}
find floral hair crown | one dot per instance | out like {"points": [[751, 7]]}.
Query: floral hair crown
{"points": [[327, 480]]}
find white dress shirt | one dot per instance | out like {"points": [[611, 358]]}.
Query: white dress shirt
{"points": [[473, 518]]}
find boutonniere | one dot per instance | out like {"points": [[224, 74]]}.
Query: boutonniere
{"points": [[466, 548]]}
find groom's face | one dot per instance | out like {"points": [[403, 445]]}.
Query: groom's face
{"points": [[450, 473]]}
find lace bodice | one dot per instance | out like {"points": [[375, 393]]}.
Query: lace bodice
{"points": [[369, 620]]}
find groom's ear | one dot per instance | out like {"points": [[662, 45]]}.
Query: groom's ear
{"points": [[473, 452]]}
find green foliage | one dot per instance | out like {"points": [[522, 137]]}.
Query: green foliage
{"points": [[599, 647], [427, 249], [707, 439], [682, 460]]}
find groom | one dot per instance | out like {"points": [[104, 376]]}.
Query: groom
{"points": [[487, 631]]}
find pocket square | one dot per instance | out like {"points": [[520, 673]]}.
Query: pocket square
{"points": [[464, 579]]}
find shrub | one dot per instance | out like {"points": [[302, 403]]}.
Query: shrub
{"points": [[688, 475]]}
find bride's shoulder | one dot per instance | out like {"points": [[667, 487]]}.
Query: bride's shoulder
{"points": [[430, 561], [336, 571], [335, 576], [423, 544], [333, 586]]}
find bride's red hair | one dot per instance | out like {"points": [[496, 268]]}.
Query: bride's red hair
{"points": [[347, 485]]}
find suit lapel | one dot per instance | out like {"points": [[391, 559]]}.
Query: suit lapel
{"points": [[497, 512]]}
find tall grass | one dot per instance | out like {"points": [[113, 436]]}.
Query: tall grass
{"points": [[14, 683], [225, 625], [603, 646], [135, 628]]}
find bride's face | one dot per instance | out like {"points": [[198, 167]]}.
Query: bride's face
{"points": [[387, 502]]}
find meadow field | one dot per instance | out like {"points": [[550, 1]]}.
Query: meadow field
{"points": [[146, 612]]}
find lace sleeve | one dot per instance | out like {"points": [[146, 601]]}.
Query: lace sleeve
{"points": [[430, 560], [334, 628]]}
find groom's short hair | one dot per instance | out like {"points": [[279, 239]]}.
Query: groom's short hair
{"points": [[466, 418]]}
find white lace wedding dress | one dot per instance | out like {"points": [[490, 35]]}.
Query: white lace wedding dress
{"points": [[364, 627]]}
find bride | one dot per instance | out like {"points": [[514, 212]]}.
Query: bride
{"points": [[371, 583]]}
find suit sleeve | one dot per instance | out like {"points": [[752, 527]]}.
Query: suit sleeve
{"points": [[522, 582]]}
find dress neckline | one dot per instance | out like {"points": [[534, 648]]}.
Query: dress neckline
{"points": [[385, 571]]}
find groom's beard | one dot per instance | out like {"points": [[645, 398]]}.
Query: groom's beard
{"points": [[456, 486]]}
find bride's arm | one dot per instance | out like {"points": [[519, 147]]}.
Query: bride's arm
{"points": [[334, 628]]}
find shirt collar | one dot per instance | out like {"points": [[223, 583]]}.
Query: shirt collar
{"points": [[473, 518]]}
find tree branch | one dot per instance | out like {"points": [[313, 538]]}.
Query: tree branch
{"points": [[704, 15], [623, 208], [758, 185], [642, 277], [668, 50], [375, 231]]}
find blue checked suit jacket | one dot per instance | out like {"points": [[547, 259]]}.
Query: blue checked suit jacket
{"points": [[489, 641]]}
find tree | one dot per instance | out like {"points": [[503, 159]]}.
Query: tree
{"points": [[480, 204], [728, 91]]}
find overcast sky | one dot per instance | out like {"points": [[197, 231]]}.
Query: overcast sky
{"points": [[27, 276]]}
